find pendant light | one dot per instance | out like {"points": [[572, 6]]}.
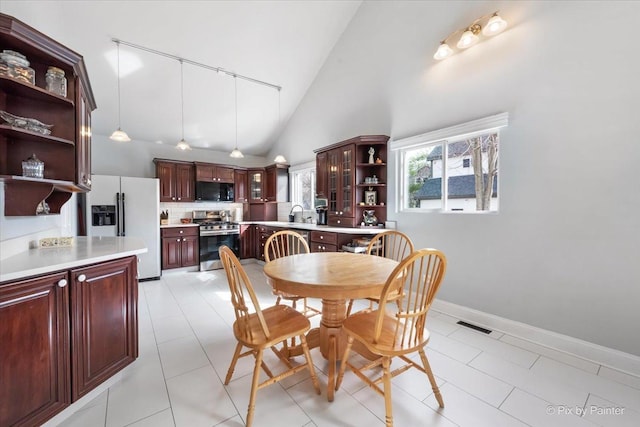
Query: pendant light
{"points": [[119, 135], [182, 145], [236, 154], [279, 158]]}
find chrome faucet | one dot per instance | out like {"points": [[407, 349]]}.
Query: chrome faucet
{"points": [[291, 217]]}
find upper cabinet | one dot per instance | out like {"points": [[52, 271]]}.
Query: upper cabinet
{"points": [[321, 175], [214, 173], [240, 184], [66, 149], [352, 175], [256, 186], [277, 188], [177, 183]]}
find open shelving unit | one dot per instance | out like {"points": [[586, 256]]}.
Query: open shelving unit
{"points": [[66, 151]]}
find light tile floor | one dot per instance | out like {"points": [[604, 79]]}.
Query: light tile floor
{"points": [[491, 380]]}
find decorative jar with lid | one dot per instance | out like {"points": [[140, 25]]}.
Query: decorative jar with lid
{"points": [[33, 167], [56, 81]]}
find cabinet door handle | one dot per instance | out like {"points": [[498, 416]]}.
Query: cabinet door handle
{"points": [[181, 231], [177, 240], [62, 283], [321, 237], [173, 198], [82, 278], [338, 221], [179, 198]]}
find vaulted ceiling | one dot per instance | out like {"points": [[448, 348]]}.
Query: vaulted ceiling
{"points": [[284, 43]]}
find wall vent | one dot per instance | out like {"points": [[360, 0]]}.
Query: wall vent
{"points": [[477, 328]]}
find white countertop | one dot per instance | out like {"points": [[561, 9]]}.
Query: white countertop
{"points": [[86, 250], [315, 227], [190, 224]]}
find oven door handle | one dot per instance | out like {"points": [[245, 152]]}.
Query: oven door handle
{"points": [[218, 233]]}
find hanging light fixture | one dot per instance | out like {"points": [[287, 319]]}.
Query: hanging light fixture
{"points": [[119, 135], [279, 158], [236, 154], [182, 145], [487, 25]]}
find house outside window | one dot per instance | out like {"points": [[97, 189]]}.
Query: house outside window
{"points": [[303, 185], [451, 170]]}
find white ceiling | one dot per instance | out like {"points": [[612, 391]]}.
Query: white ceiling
{"points": [[284, 43]]}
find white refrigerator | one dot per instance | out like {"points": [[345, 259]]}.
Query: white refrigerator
{"points": [[127, 206]]}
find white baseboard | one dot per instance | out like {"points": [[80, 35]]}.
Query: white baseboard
{"points": [[601, 355]]}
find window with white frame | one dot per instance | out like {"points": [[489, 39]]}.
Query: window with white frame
{"points": [[303, 185], [451, 170]]}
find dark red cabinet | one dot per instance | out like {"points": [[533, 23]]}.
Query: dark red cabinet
{"points": [[34, 359]]}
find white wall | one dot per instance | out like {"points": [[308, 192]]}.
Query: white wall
{"points": [[135, 158], [562, 254]]}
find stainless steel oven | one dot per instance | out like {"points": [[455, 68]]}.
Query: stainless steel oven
{"points": [[216, 230], [211, 239]]}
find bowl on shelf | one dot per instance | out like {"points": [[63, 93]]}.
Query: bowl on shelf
{"points": [[185, 220]]}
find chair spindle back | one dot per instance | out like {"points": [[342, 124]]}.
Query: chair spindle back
{"points": [[420, 274]]}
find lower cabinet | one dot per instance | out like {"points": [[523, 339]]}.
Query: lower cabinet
{"points": [[248, 241], [180, 247], [63, 334], [104, 315]]}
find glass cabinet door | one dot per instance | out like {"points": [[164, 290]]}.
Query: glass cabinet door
{"points": [[347, 169], [332, 196], [256, 181]]}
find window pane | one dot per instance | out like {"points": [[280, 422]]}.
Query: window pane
{"points": [[473, 187], [423, 168], [303, 188]]}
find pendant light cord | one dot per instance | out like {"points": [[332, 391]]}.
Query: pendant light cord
{"points": [[182, 96], [119, 118], [235, 84]]}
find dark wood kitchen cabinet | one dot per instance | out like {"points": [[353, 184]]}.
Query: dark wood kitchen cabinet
{"points": [[62, 334], [104, 334], [177, 180], [241, 186], [180, 247], [248, 241], [277, 183], [66, 150], [34, 360], [213, 173], [321, 175], [341, 173]]}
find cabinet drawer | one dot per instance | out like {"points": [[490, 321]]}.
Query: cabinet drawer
{"points": [[341, 221], [323, 247], [324, 237], [179, 231]]}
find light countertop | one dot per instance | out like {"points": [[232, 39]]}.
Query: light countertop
{"points": [[315, 227], [86, 250], [190, 224]]}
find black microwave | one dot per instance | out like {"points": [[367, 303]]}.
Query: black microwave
{"points": [[214, 192]]}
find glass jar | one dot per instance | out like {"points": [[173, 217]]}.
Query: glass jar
{"points": [[33, 167], [56, 82]]}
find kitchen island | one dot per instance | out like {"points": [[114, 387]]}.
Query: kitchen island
{"points": [[68, 323]]}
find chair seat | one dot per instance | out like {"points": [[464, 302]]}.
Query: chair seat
{"points": [[361, 326], [283, 322]]}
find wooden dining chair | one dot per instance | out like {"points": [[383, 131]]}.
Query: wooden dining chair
{"points": [[259, 329], [390, 244], [397, 331], [285, 243]]}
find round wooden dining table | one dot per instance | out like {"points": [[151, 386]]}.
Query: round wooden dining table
{"points": [[334, 277]]}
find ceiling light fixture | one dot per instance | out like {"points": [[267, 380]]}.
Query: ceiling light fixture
{"points": [[119, 135], [488, 25], [182, 145], [236, 154]]}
